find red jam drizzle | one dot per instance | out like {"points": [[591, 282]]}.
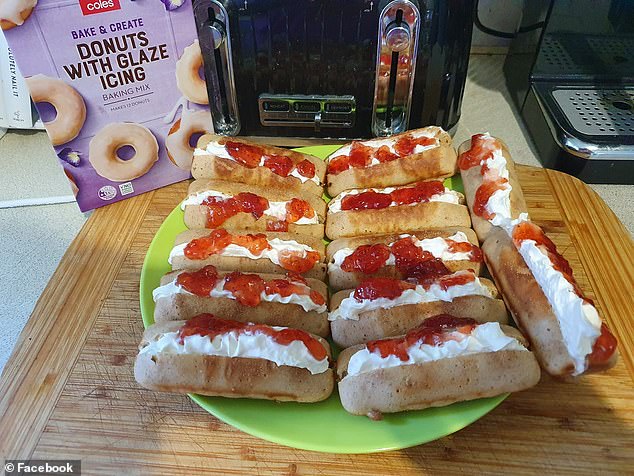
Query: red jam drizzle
{"points": [[456, 279], [203, 247], [433, 331], [410, 260], [279, 164], [475, 253], [604, 347], [306, 169], [221, 209], [296, 261], [482, 148], [360, 155], [246, 288], [199, 282], [366, 259], [421, 192], [250, 155], [484, 193], [375, 288], [210, 326], [296, 209]]}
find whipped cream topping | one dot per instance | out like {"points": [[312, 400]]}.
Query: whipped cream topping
{"points": [[255, 345], [390, 142], [350, 308], [233, 250], [276, 209], [487, 337], [438, 247], [448, 196], [214, 148], [219, 291], [499, 202], [578, 319]]}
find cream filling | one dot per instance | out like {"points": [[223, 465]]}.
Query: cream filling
{"points": [[579, 321], [390, 142], [438, 247], [254, 345], [233, 250], [220, 151], [218, 291], [448, 196], [276, 209], [487, 337], [350, 308]]}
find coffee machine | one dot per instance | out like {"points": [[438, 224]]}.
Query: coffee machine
{"points": [[570, 71]]}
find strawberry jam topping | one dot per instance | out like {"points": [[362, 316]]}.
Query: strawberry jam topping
{"points": [[205, 246], [375, 288], [421, 192], [361, 155], [369, 200], [482, 147], [250, 155], [604, 347], [484, 193], [475, 253], [459, 278], [245, 154], [433, 331], [221, 209], [210, 326], [297, 209], [276, 225], [296, 261], [306, 169], [367, 259], [279, 164], [246, 288], [199, 282], [407, 255], [426, 270], [405, 145]]}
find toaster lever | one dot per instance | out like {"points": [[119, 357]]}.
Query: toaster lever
{"points": [[399, 24], [212, 22]]}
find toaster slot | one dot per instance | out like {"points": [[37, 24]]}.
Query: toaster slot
{"points": [[214, 37], [399, 24], [309, 111]]}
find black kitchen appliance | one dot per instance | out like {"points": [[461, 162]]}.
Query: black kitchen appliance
{"points": [[333, 69], [570, 71]]}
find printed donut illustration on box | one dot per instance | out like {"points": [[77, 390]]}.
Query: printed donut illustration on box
{"points": [[120, 94]]}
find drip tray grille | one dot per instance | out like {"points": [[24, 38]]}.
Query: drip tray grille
{"points": [[598, 112]]}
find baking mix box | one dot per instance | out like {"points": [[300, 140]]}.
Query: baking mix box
{"points": [[117, 84]]}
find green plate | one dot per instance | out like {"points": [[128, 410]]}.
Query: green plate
{"points": [[323, 426]]}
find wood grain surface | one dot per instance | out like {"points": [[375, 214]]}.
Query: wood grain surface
{"points": [[68, 390]]}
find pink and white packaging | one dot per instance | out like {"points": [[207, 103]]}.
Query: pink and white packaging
{"points": [[103, 75]]}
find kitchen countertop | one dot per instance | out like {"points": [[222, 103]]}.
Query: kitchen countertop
{"points": [[30, 172]]}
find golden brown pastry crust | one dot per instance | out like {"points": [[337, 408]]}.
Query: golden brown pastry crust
{"points": [[438, 162], [228, 377], [210, 166]]}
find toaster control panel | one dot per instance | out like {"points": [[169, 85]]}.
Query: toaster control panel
{"points": [[310, 111]]}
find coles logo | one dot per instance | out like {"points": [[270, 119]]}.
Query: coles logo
{"points": [[89, 7]]}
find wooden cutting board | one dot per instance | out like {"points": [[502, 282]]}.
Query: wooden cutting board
{"points": [[68, 390]]}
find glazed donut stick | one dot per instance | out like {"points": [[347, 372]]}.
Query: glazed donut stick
{"points": [[102, 151], [68, 104]]}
